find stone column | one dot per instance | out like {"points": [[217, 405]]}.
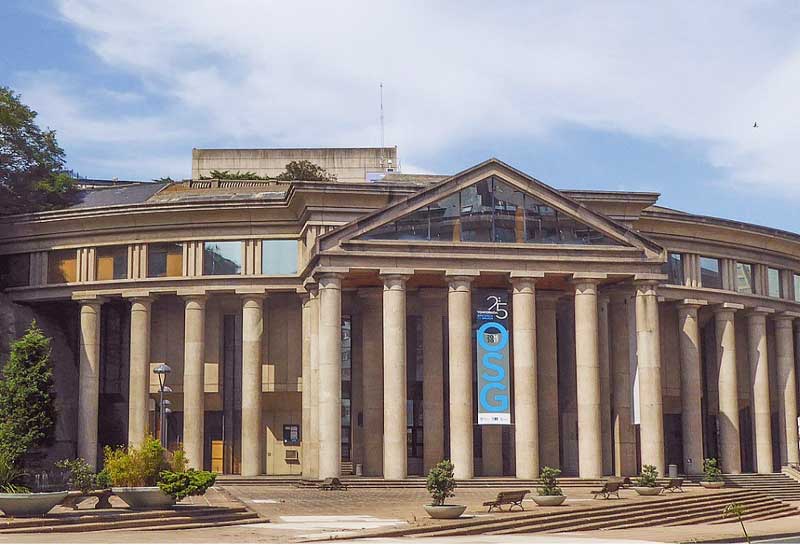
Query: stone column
{"points": [[312, 461], [459, 312], [432, 377], [395, 424], [330, 375], [728, 418], [139, 385], [547, 383], [526, 410], [372, 378], [305, 397], [649, 368], [759, 380], [691, 386], [622, 409], [193, 380], [605, 383], [252, 334], [89, 381], [787, 394], [587, 374]]}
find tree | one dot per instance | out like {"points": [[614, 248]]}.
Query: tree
{"points": [[737, 510], [303, 170], [441, 484], [32, 173], [27, 397]]}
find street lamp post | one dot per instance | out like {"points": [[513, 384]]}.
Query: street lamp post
{"points": [[162, 371]]}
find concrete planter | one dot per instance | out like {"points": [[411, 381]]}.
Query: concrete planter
{"points": [[445, 511], [713, 484], [20, 505], [549, 500], [648, 491], [144, 497]]}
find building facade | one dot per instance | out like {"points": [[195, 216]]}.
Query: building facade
{"points": [[316, 328]]}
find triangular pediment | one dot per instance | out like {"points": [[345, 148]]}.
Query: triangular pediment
{"points": [[492, 203]]}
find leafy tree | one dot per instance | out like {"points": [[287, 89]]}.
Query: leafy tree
{"points": [[32, 173], [440, 483], [649, 477], [549, 479], [737, 510], [27, 399], [711, 471], [303, 170]]}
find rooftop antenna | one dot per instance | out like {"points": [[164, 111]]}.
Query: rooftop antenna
{"points": [[383, 152]]}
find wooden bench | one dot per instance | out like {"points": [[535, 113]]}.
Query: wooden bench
{"points": [[609, 488], [332, 484], [512, 498], [675, 484]]}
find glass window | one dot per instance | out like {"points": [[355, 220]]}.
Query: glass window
{"points": [[673, 268], [796, 281], [222, 258], [710, 276], [112, 263], [62, 266], [490, 211], [279, 257], [15, 270], [774, 283], [744, 278], [164, 260]]}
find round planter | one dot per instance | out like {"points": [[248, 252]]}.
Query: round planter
{"points": [[713, 484], [648, 491], [21, 505], [549, 500], [446, 511], [144, 497]]}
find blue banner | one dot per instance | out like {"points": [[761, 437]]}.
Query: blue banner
{"points": [[493, 347]]}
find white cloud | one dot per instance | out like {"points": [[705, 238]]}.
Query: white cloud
{"points": [[305, 73]]}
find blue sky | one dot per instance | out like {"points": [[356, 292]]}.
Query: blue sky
{"points": [[614, 95]]}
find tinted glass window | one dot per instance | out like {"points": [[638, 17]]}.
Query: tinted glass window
{"points": [[674, 268], [278, 257], [796, 280], [222, 258], [164, 260], [112, 263], [744, 278], [62, 266], [773, 282], [15, 270], [490, 211], [709, 273]]}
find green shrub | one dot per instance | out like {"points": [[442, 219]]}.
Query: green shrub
{"points": [[102, 480], [711, 471], [186, 483], [81, 476], [27, 399], [441, 483], [548, 477], [649, 477], [10, 477], [137, 467]]}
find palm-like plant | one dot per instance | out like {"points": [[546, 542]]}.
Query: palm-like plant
{"points": [[737, 509], [10, 477]]}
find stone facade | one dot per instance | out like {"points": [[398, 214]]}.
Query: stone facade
{"points": [[315, 326]]}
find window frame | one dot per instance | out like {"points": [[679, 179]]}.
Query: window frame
{"points": [[240, 264], [719, 272]]}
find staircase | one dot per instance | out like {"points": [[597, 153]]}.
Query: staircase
{"points": [[693, 509], [780, 486], [178, 517], [360, 482]]}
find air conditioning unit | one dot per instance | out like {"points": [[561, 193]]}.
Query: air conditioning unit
{"points": [[292, 454]]}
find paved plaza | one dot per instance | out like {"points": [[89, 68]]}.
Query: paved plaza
{"points": [[302, 515]]}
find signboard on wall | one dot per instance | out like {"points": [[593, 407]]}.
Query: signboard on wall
{"points": [[493, 347]]}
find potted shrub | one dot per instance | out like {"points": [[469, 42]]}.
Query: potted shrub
{"points": [[712, 475], [647, 484], [441, 486], [550, 493], [84, 483], [134, 473], [27, 420], [186, 484]]}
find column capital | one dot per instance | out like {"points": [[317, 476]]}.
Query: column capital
{"points": [[786, 317], [393, 278], [728, 307], [526, 275], [523, 284], [588, 278], [331, 280], [396, 272], [253, 298], [88, 298], [758, 312], [465, 274], [690, 304]]}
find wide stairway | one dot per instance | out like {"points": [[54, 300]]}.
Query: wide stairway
{"points": [[178, 517], [691, 509], [778, 485], [360, 482]]}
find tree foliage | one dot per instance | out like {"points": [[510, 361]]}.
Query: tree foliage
{"points": [[649, 477], [27, 399], [303, 170], [549, 479], [188, 483], [441, 483], [31, 161]]}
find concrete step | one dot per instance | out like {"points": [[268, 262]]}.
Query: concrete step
{"points": [[162, 519]]}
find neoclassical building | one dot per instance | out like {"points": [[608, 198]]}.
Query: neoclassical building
{"points": [[382, 321]]}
